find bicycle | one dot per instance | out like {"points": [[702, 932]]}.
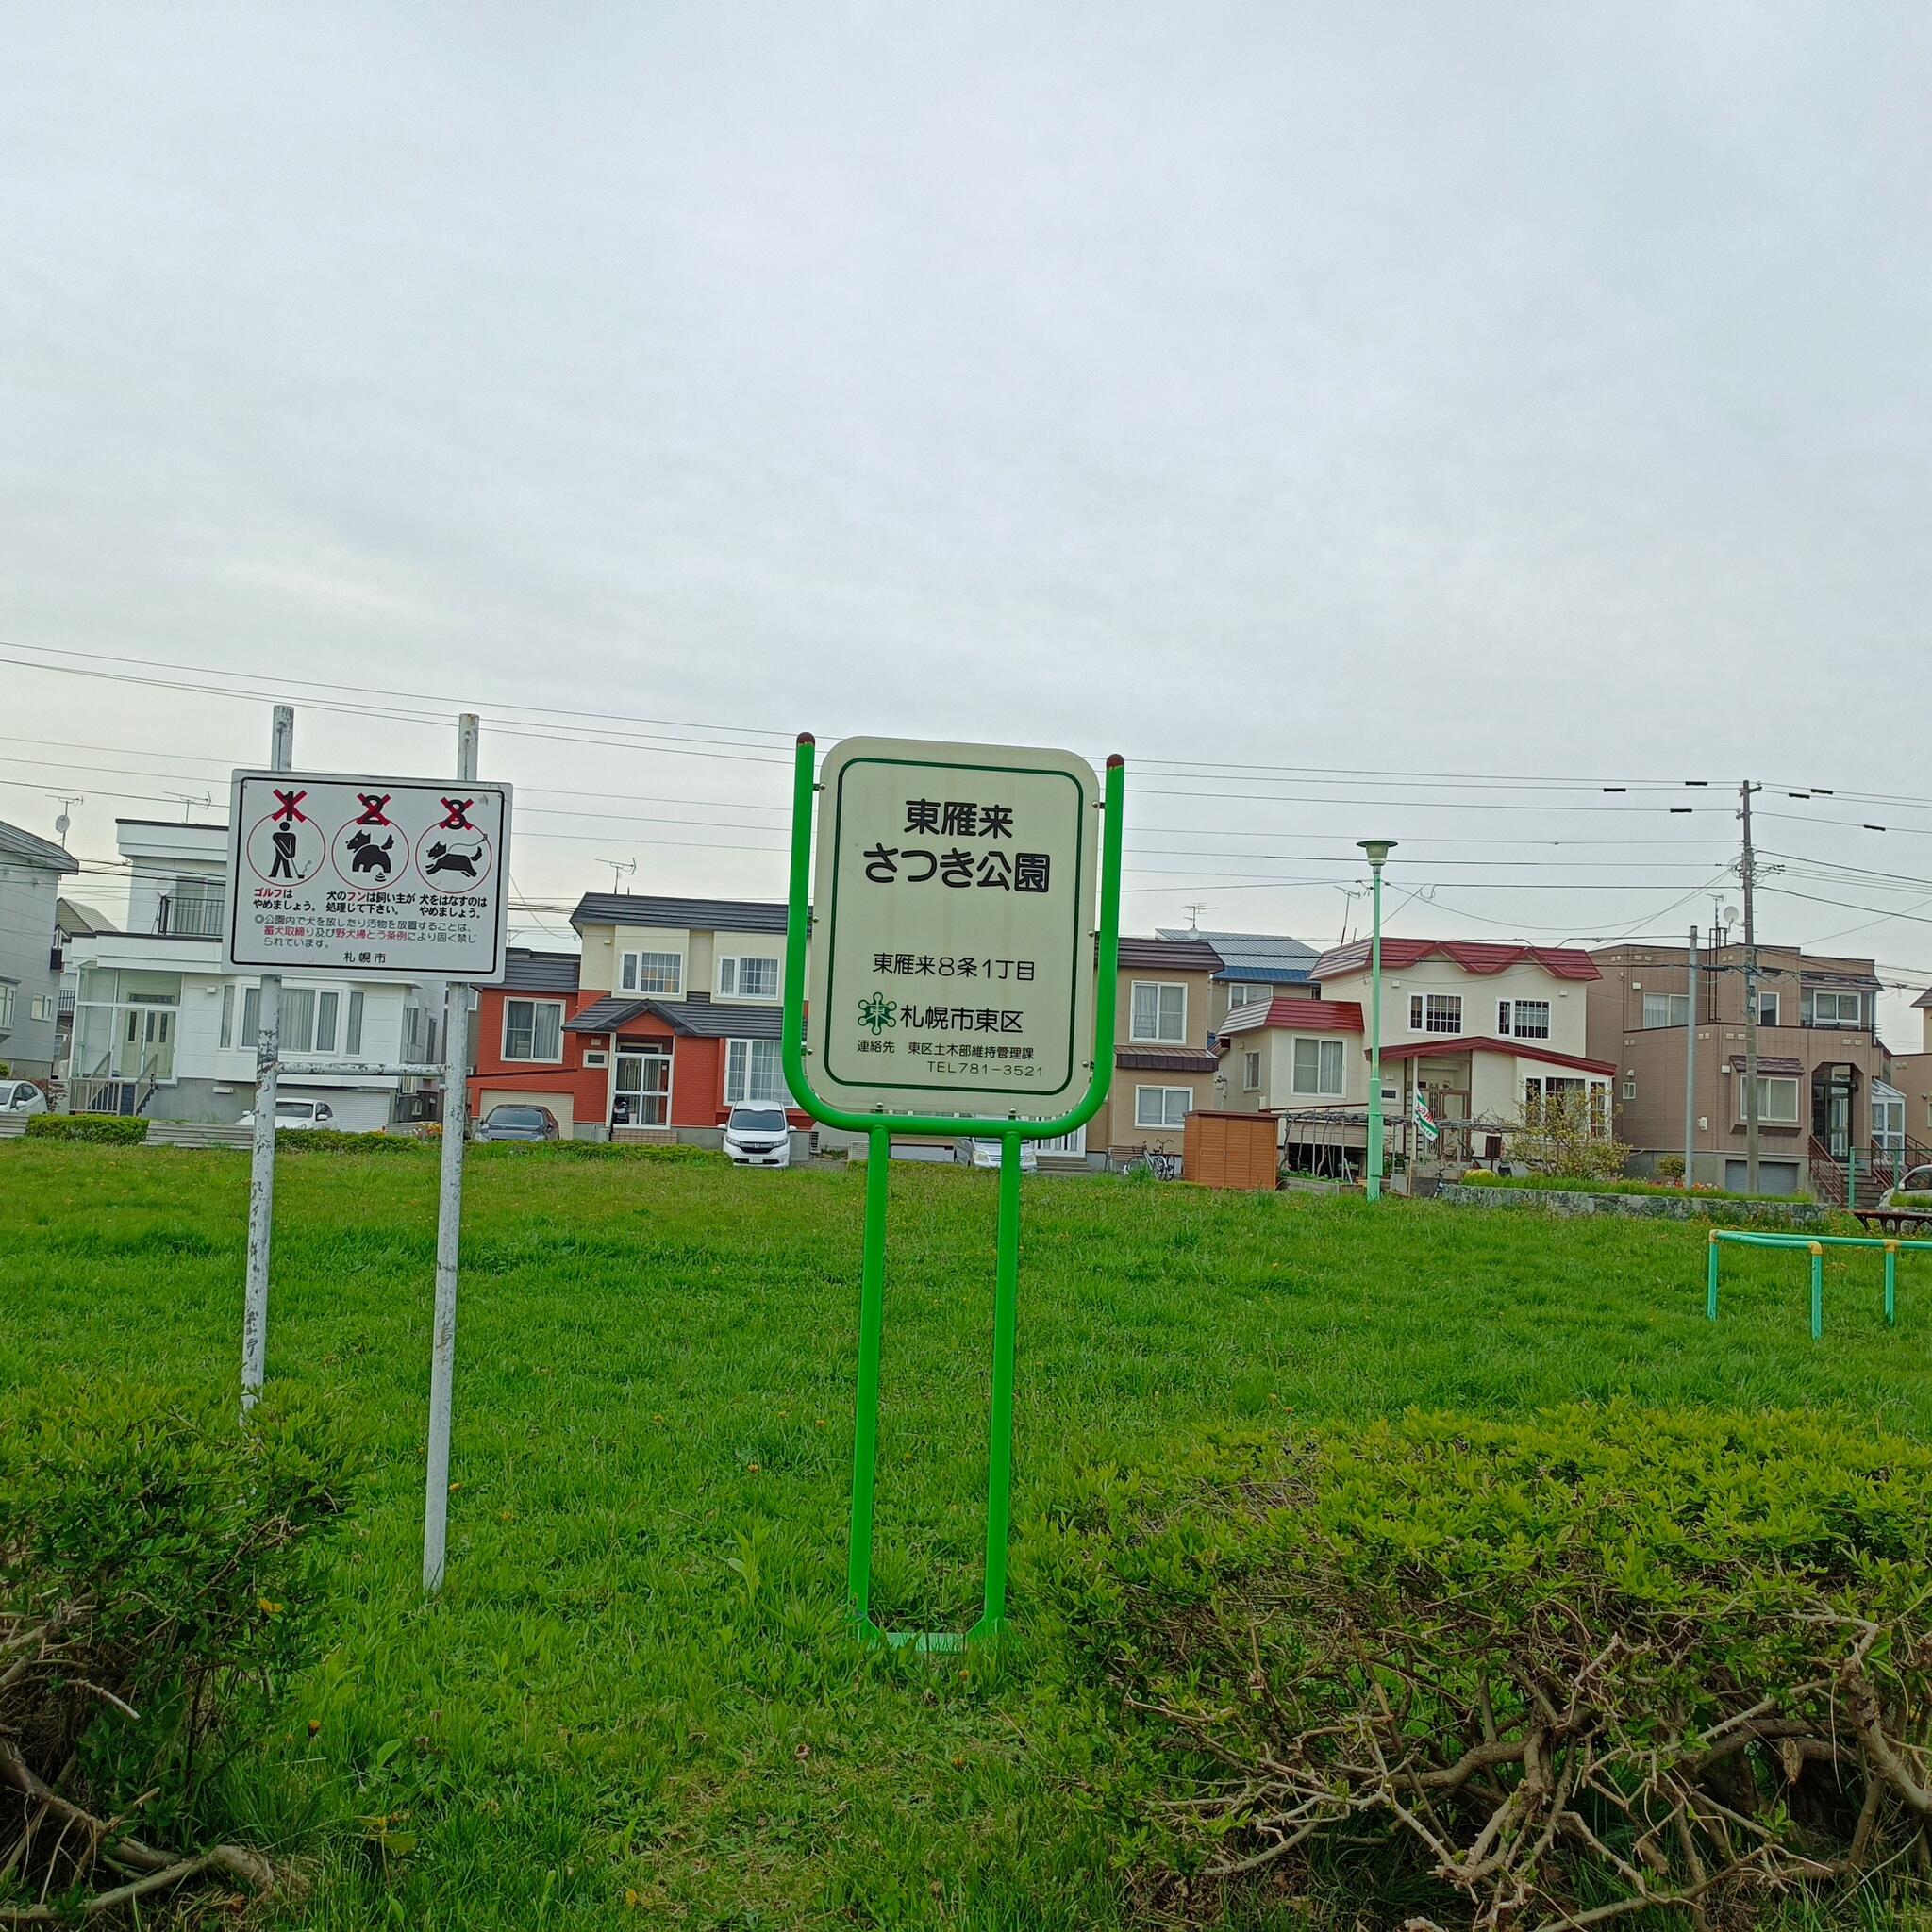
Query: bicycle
{"points": [[1156, 1161]]}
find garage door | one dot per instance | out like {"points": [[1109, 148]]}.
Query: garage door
{"points": [[1774, 1177]]}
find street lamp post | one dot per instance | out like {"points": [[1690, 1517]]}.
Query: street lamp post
{"points": [[1377, 850]]}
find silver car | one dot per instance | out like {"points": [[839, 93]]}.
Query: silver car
{"points": [[758, 1137], [21, 1096]]}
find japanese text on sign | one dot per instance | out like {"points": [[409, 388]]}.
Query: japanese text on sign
{"points": [[963, 863], [392, 876]]}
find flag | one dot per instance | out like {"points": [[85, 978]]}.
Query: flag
{"points": [[1422, 1117]]}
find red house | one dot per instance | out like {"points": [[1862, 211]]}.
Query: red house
{"points": [[671, 1015]]}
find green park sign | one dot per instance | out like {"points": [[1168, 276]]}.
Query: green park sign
{"points": [[960, 987]]}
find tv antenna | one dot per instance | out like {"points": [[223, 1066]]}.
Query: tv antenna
{"points": [[65, 819], [190, 801], [620, 869], [1194, 912]]}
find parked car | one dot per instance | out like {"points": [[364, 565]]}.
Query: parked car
{"points": [[295, 1116], [758, 1137], [1917, 1180], [520, 1122], [22, 1096], [986, 1154]]}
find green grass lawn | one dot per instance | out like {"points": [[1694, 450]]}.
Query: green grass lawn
{"points": [[636, 1701]]}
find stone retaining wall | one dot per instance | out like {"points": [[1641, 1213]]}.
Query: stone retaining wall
{"points": [[1638, 1206]]}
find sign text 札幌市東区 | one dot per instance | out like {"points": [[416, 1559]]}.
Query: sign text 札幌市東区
{"points": [[951, 955], [384, 877]]}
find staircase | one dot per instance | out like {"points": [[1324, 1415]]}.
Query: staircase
{"points": [[12, 1126]]}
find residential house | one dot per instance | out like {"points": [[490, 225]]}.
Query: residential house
{"points": [[1911, 1073], [1254, 967], [161, 1027], [71, 921], [1164, 1063], [31, 869], [679, 1005], [519, 1048], [1475, 1026], [1824, 1077]]}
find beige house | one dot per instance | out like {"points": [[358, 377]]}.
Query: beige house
{"points": [[1911, 1073], [1825, 1086], [1164, 1065]]}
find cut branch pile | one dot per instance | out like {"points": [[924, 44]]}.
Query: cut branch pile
{"points": [[1554, 1673], [153, 1568]]}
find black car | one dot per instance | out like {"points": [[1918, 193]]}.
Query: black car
{"points": [[519, 1122]]}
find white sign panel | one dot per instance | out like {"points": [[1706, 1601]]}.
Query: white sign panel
{"points": [[953, 943], [384, 877]]}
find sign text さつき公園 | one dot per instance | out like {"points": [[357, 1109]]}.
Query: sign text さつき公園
{"points": [[953, 944], [398, 877]]}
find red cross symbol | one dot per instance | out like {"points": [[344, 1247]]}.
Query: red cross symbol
{"points": [[373, 803], [289, 806], [458, 819]]}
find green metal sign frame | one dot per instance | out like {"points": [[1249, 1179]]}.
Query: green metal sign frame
{"points": [[878, 1127]]}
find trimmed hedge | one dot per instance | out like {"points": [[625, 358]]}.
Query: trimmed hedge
{"points": [[1452, 1671], [159, 1584], [338, 1140], [111, 1130]]}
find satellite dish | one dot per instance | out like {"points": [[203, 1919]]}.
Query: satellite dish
{"points": [[61, 825], [1731, 915]]}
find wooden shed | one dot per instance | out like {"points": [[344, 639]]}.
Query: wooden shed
{"points": [[1230, 1150]]}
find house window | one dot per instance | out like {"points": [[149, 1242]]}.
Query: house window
{"points": [[1522, 1019], [42, 1008], [1251, 1071], [660, 973], [746, 978], [1767, 1009], [1666, 1009], [1243, 994], [533, 1029], [754, 1071], [1630, 1090], [1435, 1012], [328, 1008], [1162, 1107], [1834, 1008], [227, 1014], [1318, 1067], [1778, 1099], [1160, 1013], [7, 991], [351, 1033]]}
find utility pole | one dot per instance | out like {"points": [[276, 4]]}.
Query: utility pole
{"points": [[1746, 867], [1691, 1071]]}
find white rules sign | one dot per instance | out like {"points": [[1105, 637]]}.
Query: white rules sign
{"points": [[391, 878], [952, 939]]}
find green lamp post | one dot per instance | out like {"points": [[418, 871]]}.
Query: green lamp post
{"points": [[1377, 850]]}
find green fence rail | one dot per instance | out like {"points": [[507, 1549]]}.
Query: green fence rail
{"points": [[1816, 1245]]}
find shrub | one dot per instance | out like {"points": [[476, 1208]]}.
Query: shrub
{"points": [[338, 1141], [115, 1129], [1670, 1167], [157, 1583], [1480, 1177], [1560, 1134], [1519, 1671]]}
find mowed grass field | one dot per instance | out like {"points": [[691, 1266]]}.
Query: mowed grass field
{"points": [[636, 1701]]}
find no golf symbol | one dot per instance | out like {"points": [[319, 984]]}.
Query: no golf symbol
{"points": [[455, 856], [285, 846], [369, 850]]}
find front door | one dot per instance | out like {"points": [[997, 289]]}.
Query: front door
{"points": [[642, 1097]]}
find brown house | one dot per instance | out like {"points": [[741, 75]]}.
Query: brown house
{"points": [[1912, 1075], [1163, 1063], [1823, 1074]]}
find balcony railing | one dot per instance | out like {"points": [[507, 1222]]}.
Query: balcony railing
{"points": [[192, 915]]}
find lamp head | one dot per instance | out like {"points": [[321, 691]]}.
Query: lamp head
{"points": [[1378, 849]]}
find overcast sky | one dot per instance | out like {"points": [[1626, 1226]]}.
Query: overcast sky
{"points": [[1519, 390]]}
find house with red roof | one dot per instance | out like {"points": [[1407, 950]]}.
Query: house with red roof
{"points": [[1473, 1027]]}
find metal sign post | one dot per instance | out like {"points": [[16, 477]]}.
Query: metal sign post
{"points": [[952, 965], [262, 1169], [449, 1232], [378, 878]]}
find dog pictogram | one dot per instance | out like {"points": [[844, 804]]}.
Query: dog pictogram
{"points": [[369, 856]]}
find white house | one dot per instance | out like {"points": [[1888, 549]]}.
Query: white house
{"points": [[1475, 1026], [161, 1029]]}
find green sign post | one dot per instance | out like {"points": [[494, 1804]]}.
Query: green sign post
{"points": [[955, 990]]}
